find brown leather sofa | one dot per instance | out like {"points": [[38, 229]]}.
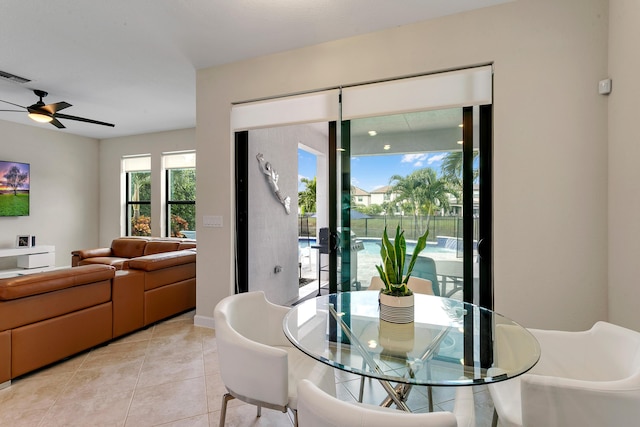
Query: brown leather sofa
{"points": [[165, 281], [126, 248], [45, 317]]}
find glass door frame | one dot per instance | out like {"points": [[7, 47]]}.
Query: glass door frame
{"points": [[339, 209]]}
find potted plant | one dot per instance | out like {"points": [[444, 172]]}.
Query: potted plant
{"points": [[396, 299]]}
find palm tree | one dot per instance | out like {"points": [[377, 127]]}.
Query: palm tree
{"points": [[424, 191], [452, 167], [307, 197]]}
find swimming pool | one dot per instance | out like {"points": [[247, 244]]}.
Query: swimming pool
{"points": [[372, 246]]}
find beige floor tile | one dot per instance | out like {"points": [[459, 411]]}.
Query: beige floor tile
{"points": [[21, 417], [33, 392], [215, 391], [211, 364], [144, 334], [90, 383], [165, 375], [180, 342], [104, 409], [168, 402], [117, 355], [160, 369], [198, 421], [245, 416]]}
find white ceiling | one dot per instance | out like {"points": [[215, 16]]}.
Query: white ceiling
{"points": [[133, 62]]}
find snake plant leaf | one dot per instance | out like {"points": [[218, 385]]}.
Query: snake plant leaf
{"points": [[383, 276], [400, 246], [420, 245], [393, 261], [388, 255]]}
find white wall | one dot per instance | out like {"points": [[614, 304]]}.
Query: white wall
{"points": [[64, 189], [273, 234], [624, 174], [550, 173], [111, 152]]}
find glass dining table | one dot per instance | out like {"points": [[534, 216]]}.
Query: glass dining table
{"points": [[449, 343]]}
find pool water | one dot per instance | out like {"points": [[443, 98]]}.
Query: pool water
{"points": [[372, 247]]}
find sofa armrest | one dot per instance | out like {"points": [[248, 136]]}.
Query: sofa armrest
{"points": [[79, 255], [162, 260]]}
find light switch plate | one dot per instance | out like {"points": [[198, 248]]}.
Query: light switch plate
{"points": [[604, 87], [212, 221]]}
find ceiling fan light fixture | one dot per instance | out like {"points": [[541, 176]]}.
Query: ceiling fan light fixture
{"points": [[40, 118]]}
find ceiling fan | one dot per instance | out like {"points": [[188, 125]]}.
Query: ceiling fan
{"points": [[48, 113]]}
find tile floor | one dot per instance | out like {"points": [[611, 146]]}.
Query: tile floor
{"points": [[166, 375]]}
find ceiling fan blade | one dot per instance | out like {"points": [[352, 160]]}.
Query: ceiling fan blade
{"points": [[52, 108], [82, 119], [14, 111], [11, 103], [57, 124]]}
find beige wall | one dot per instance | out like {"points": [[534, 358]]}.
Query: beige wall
{"points": [[75, 184], [624, 174], [64, 189], [550, 143], [111, 153]]}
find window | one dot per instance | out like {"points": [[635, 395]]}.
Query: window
{"points": [[138, 195], [180, 194]]}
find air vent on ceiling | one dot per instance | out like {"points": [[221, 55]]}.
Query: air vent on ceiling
{"points": [[13, 77]]}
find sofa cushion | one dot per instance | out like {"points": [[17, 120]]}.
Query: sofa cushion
{"points": [[160, 246], [126, 247], [48, 281]]}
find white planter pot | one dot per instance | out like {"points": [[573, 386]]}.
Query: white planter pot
{"points": [[396, 309], [396, 338]]}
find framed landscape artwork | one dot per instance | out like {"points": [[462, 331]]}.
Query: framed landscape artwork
{"points": [[14, 188]]}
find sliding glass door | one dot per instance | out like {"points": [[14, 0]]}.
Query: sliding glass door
{"points": [[402, 160], [413, 153]]}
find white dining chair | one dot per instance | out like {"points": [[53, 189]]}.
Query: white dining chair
{"points": [[319, 409], [258, 365], [587, 378]]}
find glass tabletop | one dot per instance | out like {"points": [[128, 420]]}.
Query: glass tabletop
{"points": [[450, 343]]}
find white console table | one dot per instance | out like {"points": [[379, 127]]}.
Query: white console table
{"points": [[30, 260]]}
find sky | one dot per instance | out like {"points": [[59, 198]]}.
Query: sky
{"points": [[371, 172], [4, 168]]}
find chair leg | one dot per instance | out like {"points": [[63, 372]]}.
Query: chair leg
{"points": [[494, 421], [361, 395], [430, 395], [259, 411], [295, 418], [223, 411]]}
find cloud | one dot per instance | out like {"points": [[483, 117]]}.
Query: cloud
{"points": [[436, 158], [419, 159], [414, 158]]}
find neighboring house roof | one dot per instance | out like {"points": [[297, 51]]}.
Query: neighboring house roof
{"points": [[359, 191], [385, 189]]}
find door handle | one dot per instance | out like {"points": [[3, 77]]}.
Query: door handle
{"points": [[481, 248], [334, 240]]}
